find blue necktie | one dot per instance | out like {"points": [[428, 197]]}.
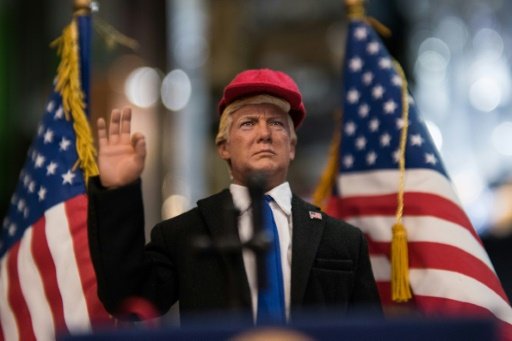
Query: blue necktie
{"points": [[271, 298]]}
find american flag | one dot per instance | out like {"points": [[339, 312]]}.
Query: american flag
{"points": [[47, 282], [449, 270]]}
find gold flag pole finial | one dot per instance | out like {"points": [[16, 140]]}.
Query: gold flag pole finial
{"points": [[355, 9], [82, 7]]}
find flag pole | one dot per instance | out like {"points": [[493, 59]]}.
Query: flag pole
{"points": [[355, 11]]}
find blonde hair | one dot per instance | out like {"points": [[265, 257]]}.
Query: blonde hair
{"points": [[226, 118]]}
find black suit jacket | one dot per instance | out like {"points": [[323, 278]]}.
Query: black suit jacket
{"points": [[330, 263]]}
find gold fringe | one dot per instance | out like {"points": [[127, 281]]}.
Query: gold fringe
{"points": [[69, 86], [328, 177], [399, 253]]}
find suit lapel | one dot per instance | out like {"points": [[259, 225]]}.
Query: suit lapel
{"points": [[307, 232], [216, 211]]}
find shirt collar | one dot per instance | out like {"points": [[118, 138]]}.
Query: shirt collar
{"points": [[281, 194]]}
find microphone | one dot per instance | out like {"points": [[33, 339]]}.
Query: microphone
{"points": [[260, 241], [256, 183]]}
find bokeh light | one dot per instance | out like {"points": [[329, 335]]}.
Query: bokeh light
{"points": [[454, 32], [485, 94], [433, 58], [469, 184], [502, 138], [174, 205], [488, 42], [141, 87], [176, 90]]}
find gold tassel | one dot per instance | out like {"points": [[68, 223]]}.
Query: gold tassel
{"points": [[400, 291], [69, 86]]}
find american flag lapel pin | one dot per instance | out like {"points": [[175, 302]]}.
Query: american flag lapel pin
{"points": [[315, 215]]}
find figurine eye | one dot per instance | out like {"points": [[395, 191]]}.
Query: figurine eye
{"points": [[247, 123]]}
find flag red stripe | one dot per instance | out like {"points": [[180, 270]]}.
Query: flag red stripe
{"points": [[448, 257], [416, 204], [48, 272], [76, 211], [384, 288], [15, 296], [423, 255]]}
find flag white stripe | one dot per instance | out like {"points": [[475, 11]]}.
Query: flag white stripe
{"points": [[9, 327], [382, 182], [33, 290], [61, 247], [459, 287], [423, 229]]}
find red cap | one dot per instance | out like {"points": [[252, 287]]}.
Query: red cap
{"points": [[265, 81]]}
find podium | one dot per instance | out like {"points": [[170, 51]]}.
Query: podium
{"points": [[318, 327]]}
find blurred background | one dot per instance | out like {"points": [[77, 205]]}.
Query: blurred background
{"points": [[456, 55]]}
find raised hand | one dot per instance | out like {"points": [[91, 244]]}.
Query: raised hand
{"points": [[120, 156]]}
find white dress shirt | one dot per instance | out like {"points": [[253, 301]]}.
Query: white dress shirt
{"points": [[282, 210]]}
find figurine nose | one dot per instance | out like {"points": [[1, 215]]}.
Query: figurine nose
{"points": [[264, 131]]}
